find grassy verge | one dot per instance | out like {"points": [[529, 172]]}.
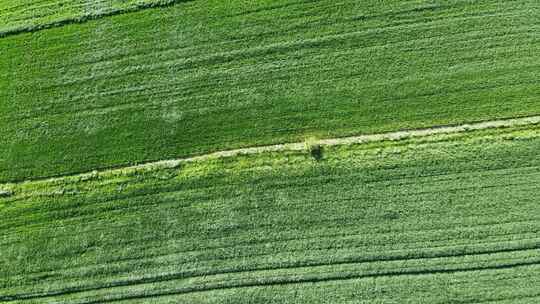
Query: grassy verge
{"points": [[446, 217], [203, 76]]}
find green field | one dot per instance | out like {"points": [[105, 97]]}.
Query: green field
{"points": [[105, 103], [18, 16], [439, 219], [201, 76]]}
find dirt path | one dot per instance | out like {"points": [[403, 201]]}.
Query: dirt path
{"points": [[532, 120], [298, 146]]}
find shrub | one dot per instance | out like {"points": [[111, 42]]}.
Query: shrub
{"points": [[315, 149]]}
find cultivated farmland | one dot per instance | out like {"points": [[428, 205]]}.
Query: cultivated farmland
{"points": [[18, 16], [269, 151], [438, 219], [202, 76]]}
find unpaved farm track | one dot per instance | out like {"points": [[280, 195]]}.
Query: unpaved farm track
{"points": [[298, 146]]}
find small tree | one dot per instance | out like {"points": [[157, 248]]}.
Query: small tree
{"points": [[315, 149]]}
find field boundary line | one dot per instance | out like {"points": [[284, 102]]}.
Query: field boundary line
{"points": [[77, 19], [301, 146]]}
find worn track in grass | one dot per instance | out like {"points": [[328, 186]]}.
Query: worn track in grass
{"points": [[17, 17], [305, 145]]}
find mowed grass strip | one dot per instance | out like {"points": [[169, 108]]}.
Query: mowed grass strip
{"points": [[204, 76], [19, 16], [436, 218]]}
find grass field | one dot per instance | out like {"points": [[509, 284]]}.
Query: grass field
{"points": [[439, 219], [355, 209], [201, 76], [18, 16]]}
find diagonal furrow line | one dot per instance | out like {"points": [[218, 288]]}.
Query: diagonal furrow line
{"points": [[175, 276], [280, 281], [88, 17]]}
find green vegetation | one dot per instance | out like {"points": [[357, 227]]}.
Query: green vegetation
{"points": [[17, 16], [99, 84], [210, 75], [440, 219]]}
